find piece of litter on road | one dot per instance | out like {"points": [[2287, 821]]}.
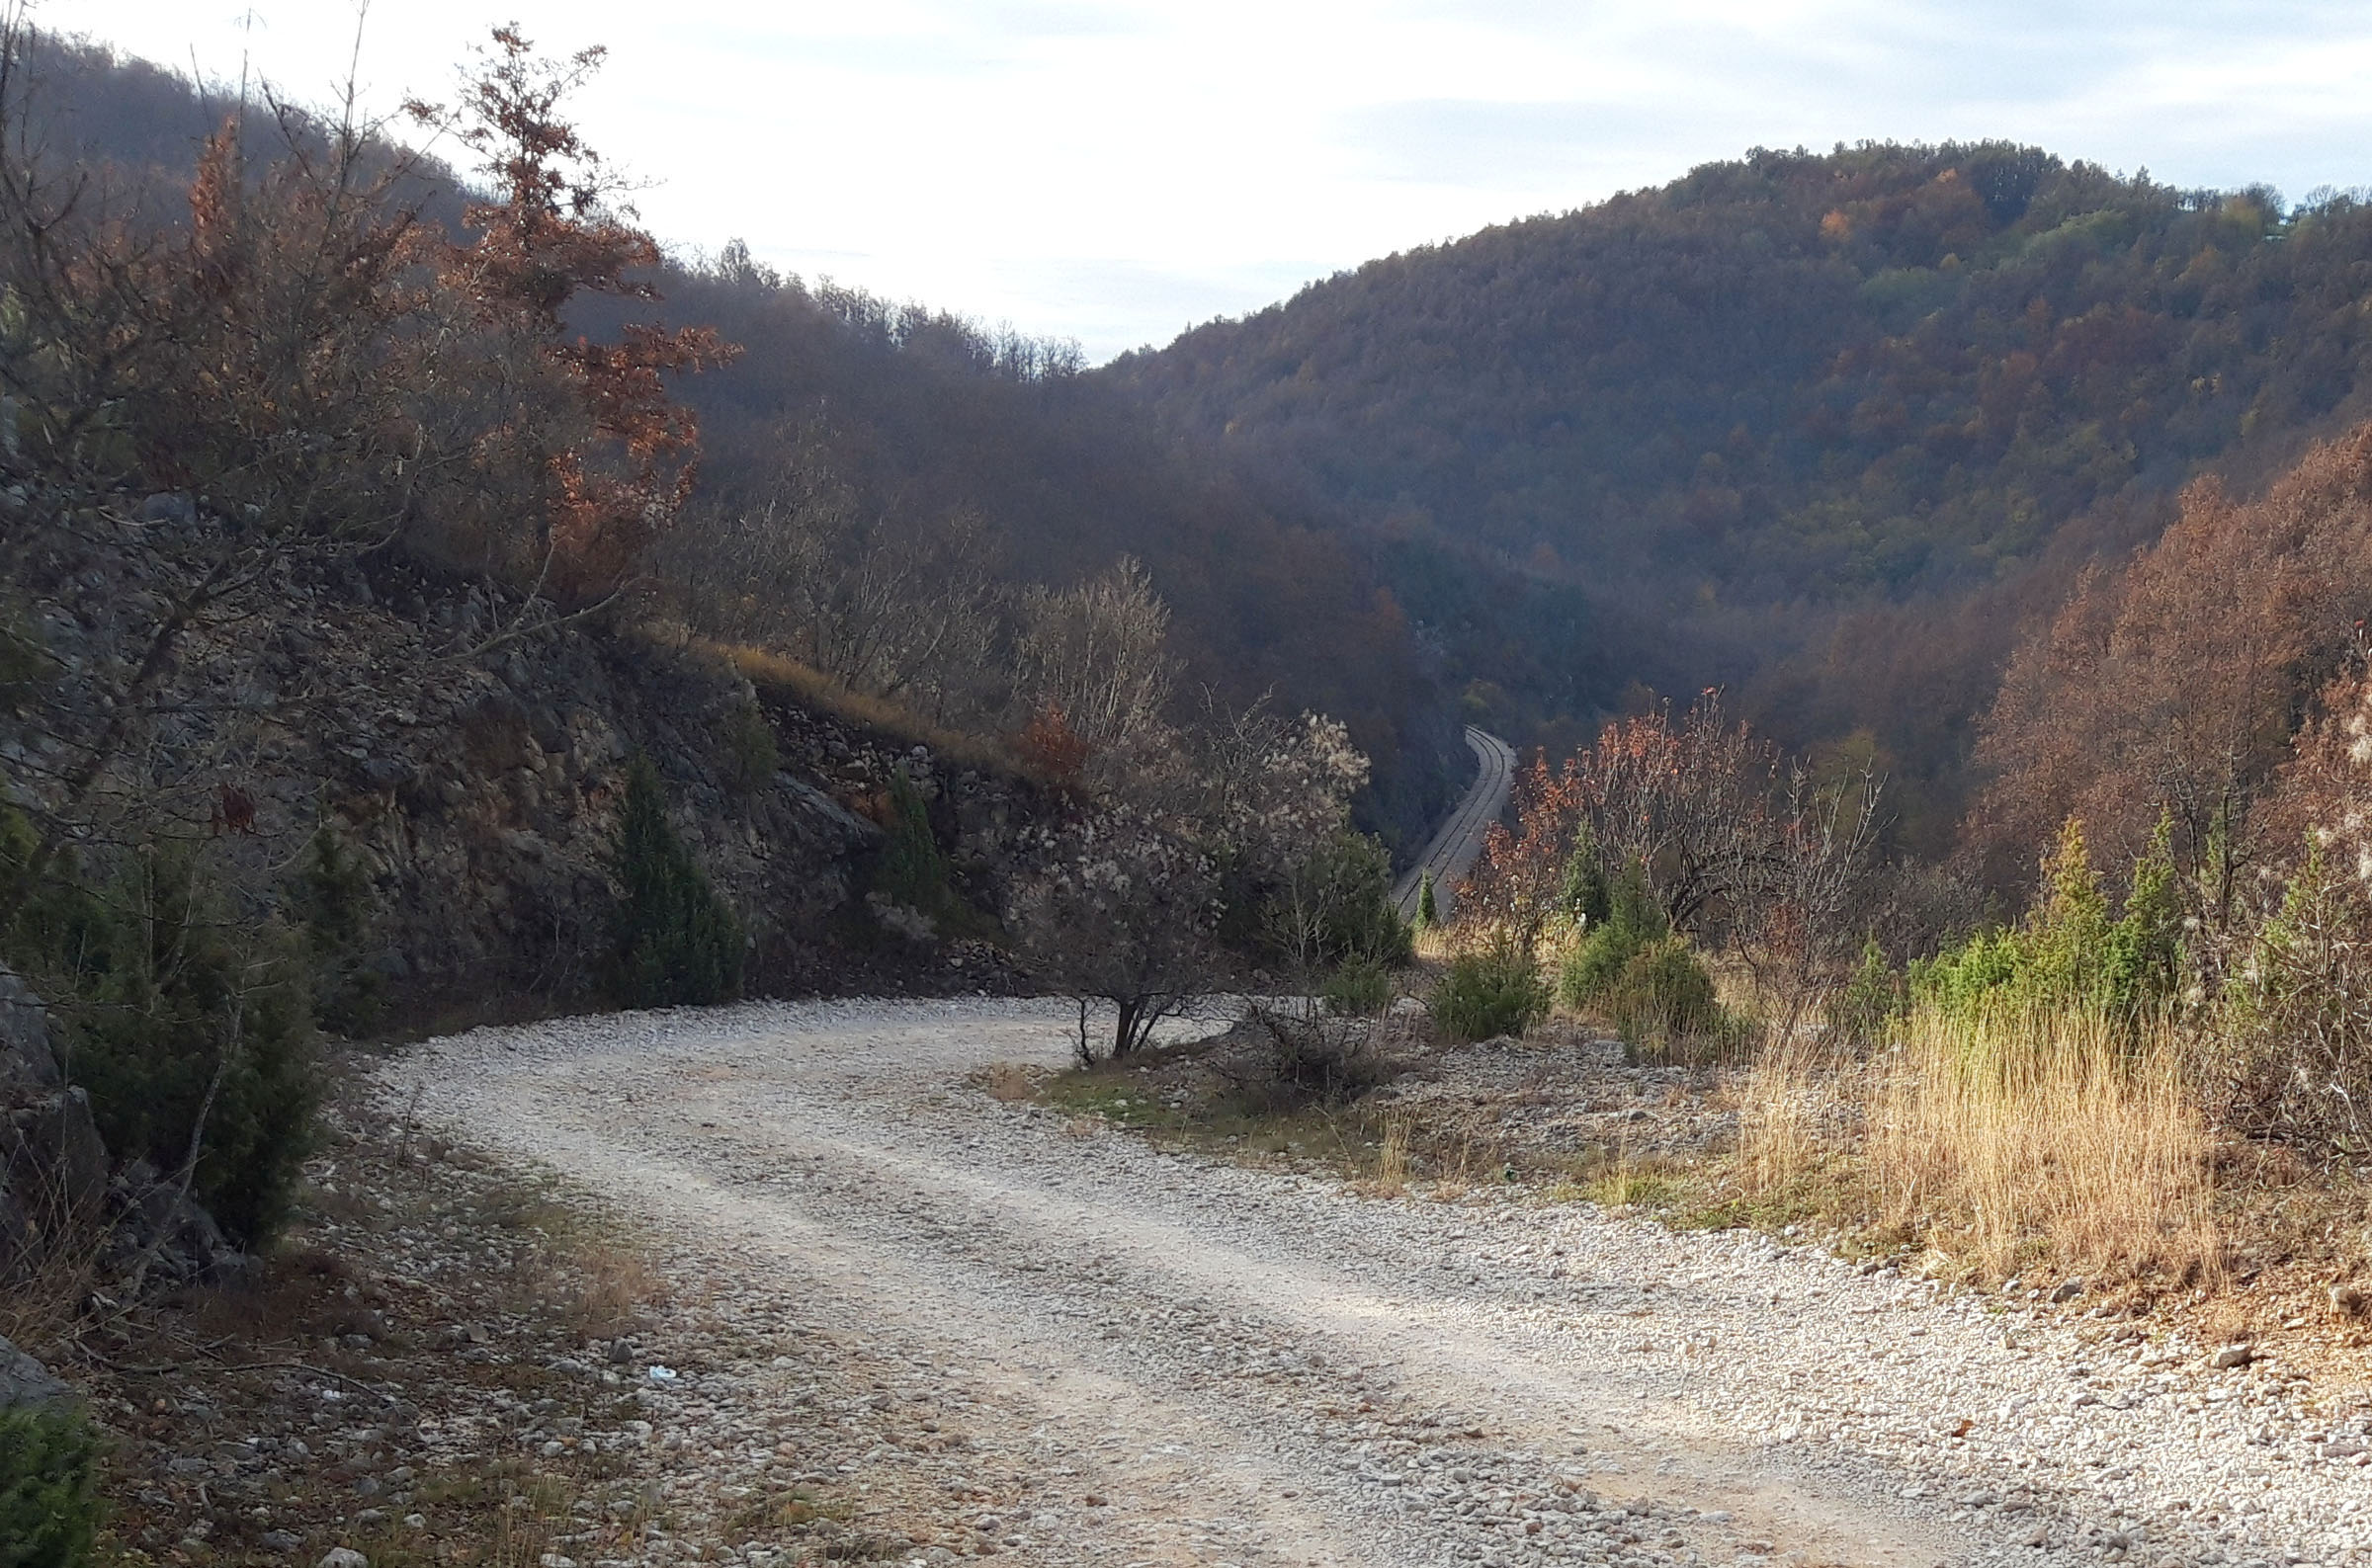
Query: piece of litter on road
{"points": [[662, 1375]]}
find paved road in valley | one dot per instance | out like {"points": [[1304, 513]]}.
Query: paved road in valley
{"points": [[1459, 839]]}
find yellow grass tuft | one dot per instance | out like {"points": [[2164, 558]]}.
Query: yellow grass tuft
{"points": [[1391, 1160], [2055, 1137], [1783, 1105], [1434, 944], [1010, 1082], [615, 1284]]}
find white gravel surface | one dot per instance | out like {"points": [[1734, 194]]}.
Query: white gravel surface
{"points": [[1213, 1364]]}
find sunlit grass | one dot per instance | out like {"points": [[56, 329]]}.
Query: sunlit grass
{"points": [[2054, 1136]]}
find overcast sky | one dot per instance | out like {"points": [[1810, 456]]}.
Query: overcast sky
{"points": [[1114, 170]]}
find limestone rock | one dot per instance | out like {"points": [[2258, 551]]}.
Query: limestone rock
{"points": [[26, 1381], [27, 1061]]}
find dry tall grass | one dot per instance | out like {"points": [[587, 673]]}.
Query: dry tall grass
{"points": [[1010, 1082], [1433, 945], [1392, 1162], [814, 688], [2055, 1137], [1786, 1105]]}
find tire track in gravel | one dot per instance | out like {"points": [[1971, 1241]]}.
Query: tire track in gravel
{"points": [[1249, 1367]]}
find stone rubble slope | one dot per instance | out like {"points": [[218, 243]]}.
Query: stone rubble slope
{"points": [[1206, 1364]]}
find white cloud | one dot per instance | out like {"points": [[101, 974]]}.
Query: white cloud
{"points": [[1114, 169]]}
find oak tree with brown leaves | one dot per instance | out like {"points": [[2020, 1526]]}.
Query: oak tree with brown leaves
{"points": [[615, 455]]}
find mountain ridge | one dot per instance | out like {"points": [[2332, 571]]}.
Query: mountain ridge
{"points": [[1709, 423]]}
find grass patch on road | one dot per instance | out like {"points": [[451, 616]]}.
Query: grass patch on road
{"points": [[1815, 1154], [1114, 1094], [1195, 1099]]}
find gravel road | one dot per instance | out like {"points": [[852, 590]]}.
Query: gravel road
{"points": [[1458, 839], [1211, 1365]]}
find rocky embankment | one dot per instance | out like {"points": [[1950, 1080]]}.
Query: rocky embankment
{"points": [[87, 1220], [472, 763]]}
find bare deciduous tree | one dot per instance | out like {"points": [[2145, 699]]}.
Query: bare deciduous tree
{"points": [[1689, 801], [1122, 914], [1096, 651], [1798, 910], [891, 605], [257, 371], [301, 371]]}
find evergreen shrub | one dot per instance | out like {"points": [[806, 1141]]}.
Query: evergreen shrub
{"points": [[183, 1023], [1628, 922], [2069, 955], [1665, 998], [331, 901], [1489, 991], [1360, 988], [752, 755], [49, 1504], [913, 871], [189, 1027], [676, 942]]}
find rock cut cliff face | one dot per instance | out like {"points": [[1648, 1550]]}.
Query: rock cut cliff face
{"points": [[475, 777]]}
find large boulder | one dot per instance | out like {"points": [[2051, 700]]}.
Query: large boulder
{"points": [[55, 1160], [26, 1381], [161, 1238], [27, 1063], [53, 1163]]}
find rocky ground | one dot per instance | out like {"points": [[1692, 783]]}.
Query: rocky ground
{"points": [[459, 1358], [1560, 1104], [894, 1283]]}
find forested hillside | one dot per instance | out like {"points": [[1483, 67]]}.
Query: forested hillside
{"points": [[1696, 433], [975, 458], [1824, 430]]}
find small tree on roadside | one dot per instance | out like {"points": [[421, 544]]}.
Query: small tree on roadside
{"points": [[676, 942], [190, 1031], [1122, 914]]}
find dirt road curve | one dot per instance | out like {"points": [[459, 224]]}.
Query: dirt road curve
{"points": [[1459, 839], [1207, 1364]]}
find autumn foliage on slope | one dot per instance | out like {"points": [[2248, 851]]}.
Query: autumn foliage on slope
{"points": [[2177, 685], [2205, 715], [1877, 400]]}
